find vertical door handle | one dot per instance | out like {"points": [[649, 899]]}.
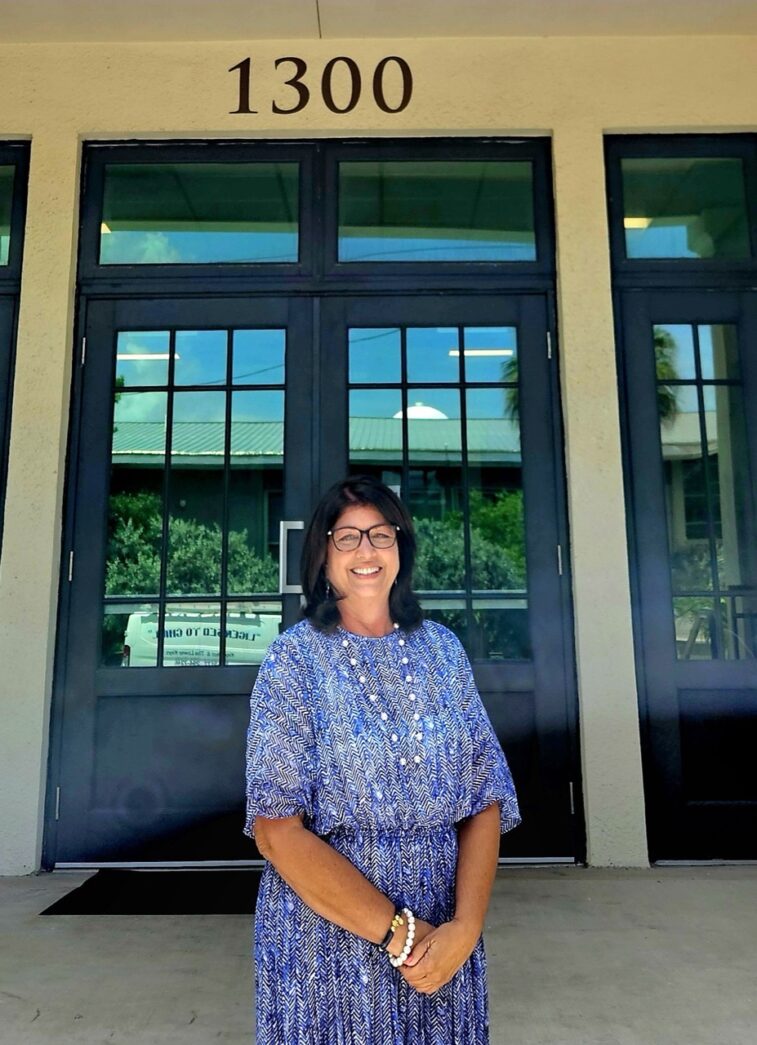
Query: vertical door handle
{"points": [[284, 527]]}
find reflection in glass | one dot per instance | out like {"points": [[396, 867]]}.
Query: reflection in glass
{"points": [[495, 494], [374, 355], [7, 174], [685, 207], [711, 529], [433, 354], [200, 357], [196, 494], [499, 631], [250, 629], [490, 354], [142, 358], [436, 210], [255, 491], [130, 635], [192, 634], [719, 351], [258, 357], [376, 429], [193, 213]]}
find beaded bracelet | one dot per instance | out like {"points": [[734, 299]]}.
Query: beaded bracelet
{"points": [[402, 958], [397, 920]]}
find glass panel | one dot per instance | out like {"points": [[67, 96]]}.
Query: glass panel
{"points": [[255, 491], [142, 358], [200, 357], [194, 213], [250, 629], [135, 518], [694, 627], [7, 175], [376, 432], [436, 210], [719, 352], [433, 354], [130, 635], [451, 613], [374, 355], [711, 529], [196, 494], [495, 495], [674, 352], [435, 493], [685, 207], [192, 634], [490, 354], [499, 631], [258, 357]]}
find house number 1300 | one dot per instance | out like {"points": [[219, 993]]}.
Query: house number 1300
{"points": [[301, 90]]}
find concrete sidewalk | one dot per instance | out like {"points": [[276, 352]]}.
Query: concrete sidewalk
{"points": [[576, 957]]}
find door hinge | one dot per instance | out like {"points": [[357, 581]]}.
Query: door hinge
{"points": [[549, 345], [559, 559], [70, 566], [57, 803], [572, 801], [83, 350]]}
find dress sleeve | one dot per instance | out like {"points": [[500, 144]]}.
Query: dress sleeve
{"points": [[280, 758], [489, 779]]}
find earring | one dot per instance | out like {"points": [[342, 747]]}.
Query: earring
{"points": [[328, 588]]}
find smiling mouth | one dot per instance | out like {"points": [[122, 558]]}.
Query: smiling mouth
{"points": [[366, 571]]}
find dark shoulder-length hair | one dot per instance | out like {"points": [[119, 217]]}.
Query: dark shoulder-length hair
{"points": [[322, 609]]}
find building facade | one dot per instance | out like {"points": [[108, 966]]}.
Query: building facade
{"points": [[514, 278]]}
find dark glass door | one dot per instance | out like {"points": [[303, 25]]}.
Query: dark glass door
{"points": [[206, 430], [453, 401], [189, 454], [690, 370]]}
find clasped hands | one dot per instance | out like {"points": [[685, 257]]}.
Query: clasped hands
{"points": [[437, 954]]}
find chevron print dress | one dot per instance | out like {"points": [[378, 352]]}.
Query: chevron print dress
{"points": [[384, 745]]}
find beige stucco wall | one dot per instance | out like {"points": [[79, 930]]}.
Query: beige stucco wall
{"points": [[571, 89]]}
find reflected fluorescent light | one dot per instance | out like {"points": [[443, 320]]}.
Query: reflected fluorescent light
{"points": [[104, 227], [636, 223], [483, 351], [146, 355]]}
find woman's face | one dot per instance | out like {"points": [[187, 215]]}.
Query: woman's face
{"points": [[364, 576]]}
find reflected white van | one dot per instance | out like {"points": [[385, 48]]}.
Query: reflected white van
{"points": [[192, 637]]}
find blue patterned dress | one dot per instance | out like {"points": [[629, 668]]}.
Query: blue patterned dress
{"points": [[384, 745]]}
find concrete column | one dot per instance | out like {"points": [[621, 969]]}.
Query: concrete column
{"points": [[609, 716], [31, 546]]}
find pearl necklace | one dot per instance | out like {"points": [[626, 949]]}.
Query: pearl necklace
{"points": [[415, 730]]}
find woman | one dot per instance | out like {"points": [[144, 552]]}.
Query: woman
{"points": [[377, 791]]}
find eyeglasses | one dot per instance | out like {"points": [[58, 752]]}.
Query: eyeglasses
{"points": [[348, 538]]}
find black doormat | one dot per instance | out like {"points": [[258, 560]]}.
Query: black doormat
{"points": [[112, 891]]}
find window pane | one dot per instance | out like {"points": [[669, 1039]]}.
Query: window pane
{"points": [[490, 354], [687, 207], [142, 358], [256, 488], [7, 173], [196, 494], [200, 357], [192, 634], [193, 213], [711, 528], [258, 357], [250, 629], [374, 355], [376, 431], [130, 635], [433, 354], [135, 528], [436, 210]]}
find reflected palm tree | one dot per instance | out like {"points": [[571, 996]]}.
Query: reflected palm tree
{"points": [[667, 394]]}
